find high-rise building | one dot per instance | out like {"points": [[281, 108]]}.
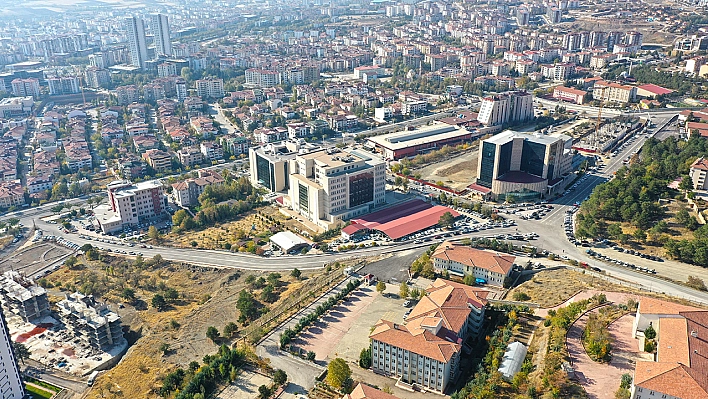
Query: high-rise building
{"points": [[10, 382], [161, 30], [137, 44], [524, 165], [97, 60], [329, 186], [130, 204], [504, 108]]}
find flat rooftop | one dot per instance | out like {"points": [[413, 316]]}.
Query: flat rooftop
{"points": [[509, 135], [325, 158], [425, 135]]}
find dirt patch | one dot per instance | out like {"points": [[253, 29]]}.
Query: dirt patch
{"points": [[456, 172], [34, 258], [549, 288]]}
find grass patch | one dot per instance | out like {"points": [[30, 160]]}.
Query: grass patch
{"points": [[553, 287], [38, 393], [43, 384]]}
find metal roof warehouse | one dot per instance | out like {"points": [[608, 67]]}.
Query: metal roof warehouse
{"points": [[412, 142], [401, 220]]}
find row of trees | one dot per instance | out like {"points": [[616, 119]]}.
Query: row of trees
{"points": [[303, 323]]}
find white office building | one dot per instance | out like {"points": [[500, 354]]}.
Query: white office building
{"points": [[131, 204], [161, 30], [137, 44], [505, 108], [329, 186]]}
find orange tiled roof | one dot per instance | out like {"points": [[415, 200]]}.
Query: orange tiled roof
{"points": [[673, 341], [655, 306], [363, 391], [668, 378], [420, 341], [469, 256]]}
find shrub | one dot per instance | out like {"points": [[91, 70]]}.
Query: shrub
{"points": [[521, 296], [650, 333]]}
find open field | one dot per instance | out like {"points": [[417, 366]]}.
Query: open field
{"points": [[457, 172], [236, 234], [549, 288], [205, 298], [33, 258]]}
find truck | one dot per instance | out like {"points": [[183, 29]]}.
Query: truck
{"points": [[92, 378]]}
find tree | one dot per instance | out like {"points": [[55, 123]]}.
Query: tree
{"points": [[247, 306], [158, 302], [311, 356], [21, 351], [264, 392], [128, 294], [229, 329], [338, 372], [626, 381], [649, 332], [212, 333], [403, 290], [380, 286], [164, 348], [446, 220], [279, 377], [296, 273], [171, 294], [70, 262], [365, 358], [153, 233]]}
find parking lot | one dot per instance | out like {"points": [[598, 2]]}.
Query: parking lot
{"points": [[35, 258]]}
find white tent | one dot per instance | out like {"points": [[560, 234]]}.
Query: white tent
{"points": [[513, 359], [288, 241]]}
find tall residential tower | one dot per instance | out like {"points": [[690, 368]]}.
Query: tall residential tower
{"points": [[137, 45], [10, 382], [161, 29]]}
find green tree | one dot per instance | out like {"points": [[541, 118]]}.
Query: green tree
{"points": [[380, 286], [229, 329], [403, 290], [70, 262], [153, 233], [279, 377], [365, 358], [128, 294], [649, 332], [212, 333], [296, 273], [164, 348], [21, 351], [264, 392], [158, 302], [338, 372]]}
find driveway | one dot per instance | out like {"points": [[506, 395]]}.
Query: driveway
{"points": [[601, 380]]}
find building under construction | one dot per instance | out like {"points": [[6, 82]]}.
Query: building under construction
{"points": [[91, 321], [21, 297]]}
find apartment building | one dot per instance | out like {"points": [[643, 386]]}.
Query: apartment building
{"points": [[190, 156], [235, 145], [11, 194], [329, 186], [511, 107], [262, 78], [160, 27], [91, 321], [569, 94], [16, 106], [698, 172], [425, 352], [463, 260], [64, 85], [97, 77], [26, 87], [127, 94], [524, 165], [21, 297], [210, 88], [137, 42], [211, 151], [130, 204], [186, 193], [158, 159], [613, 92], [414, 107], [11, 386]]}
